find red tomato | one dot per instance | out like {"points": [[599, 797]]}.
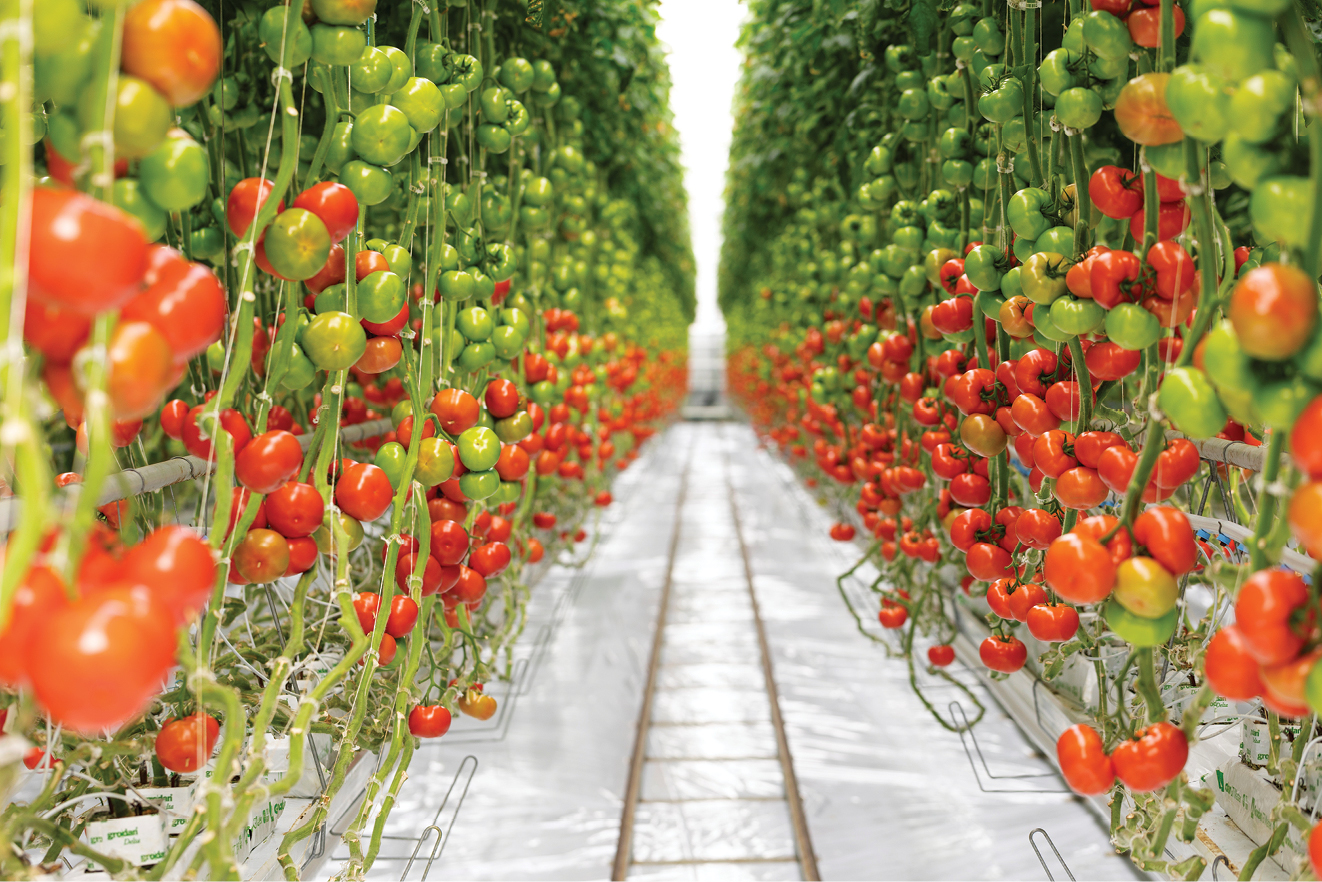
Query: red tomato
{"points": [[1004, 654], [38, 597], [1079, 569], [245, 201], [1117, 192], [335, 205], [184, 745], [1265, 609], [432, 576], [363, 491], [501, 398], [1083, 760], [1168, 537], [85, 255], [456, 409], [303, 553], [186, 303], [173, 415], [490, 559], [941, 656], [470, 588], [513, 463], [98, 662], [200, 426], [268, 461], [55, 332], [295, 510], [177, 566], [892, 617], [1145, 25], [1052, 622], [429, 721], [1152, 758], [403, 616], [1231, 671]]}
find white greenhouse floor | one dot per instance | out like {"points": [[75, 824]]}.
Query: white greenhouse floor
{"points": [[887, 793]]}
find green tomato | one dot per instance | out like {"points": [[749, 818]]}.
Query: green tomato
{"points": [[300, 373], [59, 77], [513, 429], [297, 244], [1106, 35], [421, 102], [475, 356], [475, 323], [1025, 212], [391, 458], [1004, 102], [400, 69], [479, 448], [1137, 630], [1313, 689], [1282, 209], [350, 527], [334, 341], [1079, 107], [989, 37], [466, 71], [1130, 326], [1280, 402], [1248, 164], [340, 149], [1059, 240], [479, 485], [1077, 317], [298, 40], [338, 46], [381, 295], [1189, 400], [1057, 71], [542, 392], [1259, 105], [457, 285], [175, 175], [142, 116], [132, 197], [208, 243], [1200, 102], [344, 12], [333, 298], [516, 74], [370, 184], [382, 134], [493, 138], [1233, 45], [507, 342], [543, 76], [372, 71], [1309, 359]]}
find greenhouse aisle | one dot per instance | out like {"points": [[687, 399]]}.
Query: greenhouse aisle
{"points": [[886, 792]]}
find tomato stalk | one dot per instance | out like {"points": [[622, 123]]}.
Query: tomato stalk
{"points": [[1262, 525], [1200, 200], [1084, 380], [1166, 31], [1303, 48], [1138, 482], [1147, 686], [1028, 59], [1082, 239]]}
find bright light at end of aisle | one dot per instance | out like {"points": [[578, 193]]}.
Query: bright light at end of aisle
{"points": [[704, 68]]}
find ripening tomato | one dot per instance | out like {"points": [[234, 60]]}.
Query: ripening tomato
{"points": [[1084, 764], [174, 45], [1142, 114], [1273, 309], [141, 369], [429, 721], [262, 556], [337, 207], [184, 745], [1153, 758], [97, 663], [476, 704]]}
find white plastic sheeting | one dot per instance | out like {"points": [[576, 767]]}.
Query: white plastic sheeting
{"points": [[888, 792]]}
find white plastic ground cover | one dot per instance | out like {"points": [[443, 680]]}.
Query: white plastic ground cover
{"points": [[545, 800], [889, 793]]}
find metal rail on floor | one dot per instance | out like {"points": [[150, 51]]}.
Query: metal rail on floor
{"points": [[624, 848], [798, 820]]}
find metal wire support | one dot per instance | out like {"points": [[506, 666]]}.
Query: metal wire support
{"points": [[1299, 775], [442, 836], [1047, 836], [1220, 859], [957, 710]]}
